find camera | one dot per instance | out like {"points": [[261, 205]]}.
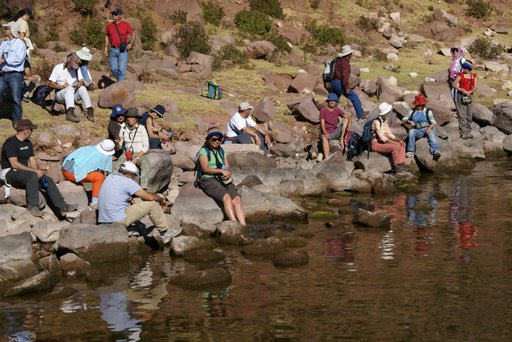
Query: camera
{"points": [[4, 55]]}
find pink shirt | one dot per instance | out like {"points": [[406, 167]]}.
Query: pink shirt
{"points": [[331, 118], [382, 131]]}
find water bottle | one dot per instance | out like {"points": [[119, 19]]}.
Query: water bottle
{"points": [[44, 182]]}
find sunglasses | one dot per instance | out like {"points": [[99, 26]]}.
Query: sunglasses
{"points": [[216, 139]]}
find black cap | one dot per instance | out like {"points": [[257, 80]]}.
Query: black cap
{"points": [[117, 11]]}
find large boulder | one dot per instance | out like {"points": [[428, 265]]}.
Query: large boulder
{"points": [[303, 83], [184, 244], [305, 110], [438, 93], [233, 233], [15, 247], [258, 204], [259, 49], [503, 112], [202, 65], [251, 162], [74, 193], [14, 271], [159, 170], [122, 92], [40, 282], [45, 231], [482, 115], [107, 242], [264, 111]]}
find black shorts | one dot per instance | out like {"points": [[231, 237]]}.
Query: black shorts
{"points": [[26, 64], [213, 188]]}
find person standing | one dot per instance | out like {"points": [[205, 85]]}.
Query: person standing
{"points": [[465, 85], [21, 18], [455, 67], [119, 36], [20, 170], [13, 53], [340, 82]]}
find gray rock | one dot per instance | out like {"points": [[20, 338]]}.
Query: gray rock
{"points": [[257, 204], [203, 62], [107, 242], [259, 49], [211, 278], [46, 231], [205, 219], [159, 170], [490, 133], [264, 111], [291, 259], [496, 67], [372, 219], [73, 265], [183, 244], [40, 282], [507, 144], [306, 110], [74, 193], [15, 247], [503, 112], [482, 115], [14, 271], [233, 233], [51, 264], [250, 162], [264, 247]]}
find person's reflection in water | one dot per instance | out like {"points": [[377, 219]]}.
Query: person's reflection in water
{"points": [[461, 210], [115, 310], [213, 302], [340, 249], [20, 324], [422, 217]]}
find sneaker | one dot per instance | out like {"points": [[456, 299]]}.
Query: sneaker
{"points": [[69, 207], [320, 157], [170, 234], [35, 211], [90, 114], [409, 154], [436, 156], [363, 116], [314, 155]]}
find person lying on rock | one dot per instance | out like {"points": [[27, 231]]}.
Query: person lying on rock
{"points": [[20, 170], [115, 125], [115, 203], [135, 140], [158, 137], [242, 129], [88, 164], [421, 122], [214, 176], [384, 141], [332, 125], [465, 85]]}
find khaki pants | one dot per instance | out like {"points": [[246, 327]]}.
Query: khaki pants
{"points": [[138, 210]]}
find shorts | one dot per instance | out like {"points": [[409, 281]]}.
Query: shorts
{"points": [[336, 134], [216, 190]]}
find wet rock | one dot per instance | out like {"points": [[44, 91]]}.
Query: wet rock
{"points": [[372, 219], [203, 256], [233, 233], [264, 247], [291, 259], [294, 242], [73, 265], [321, 215], [507, 144], [14, 271], [51, 264], [191, 229], [95, 243], [215, 277], [40, 282], [182, 244], [15, 247]]}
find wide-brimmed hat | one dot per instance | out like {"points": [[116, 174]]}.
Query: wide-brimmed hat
{"points": [[467, 65], [84, 53], [129, 167], [345, 51], [419, 100], [106, 147], [245, 106], [117, 11], [384, 108], [214, 131], [132, 113], [117, 110], [159, 109], [15, 28], [332, 97], [24, 124]]}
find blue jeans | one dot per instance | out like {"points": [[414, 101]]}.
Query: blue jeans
{"points": [[415, 134], [14, 82], [338, 88], [118, 63], [85, 73]]}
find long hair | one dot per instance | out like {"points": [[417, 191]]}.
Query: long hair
{"points": [[22, 12]]}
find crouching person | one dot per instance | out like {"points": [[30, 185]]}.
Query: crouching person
{"points": [[214, 176], [115, 205], [88, 164], [20, 170]]}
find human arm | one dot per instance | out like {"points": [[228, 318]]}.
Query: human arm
{"points": [[431, 120], [15, 164], [131, 40], [265, 134], [343, 133], [106, 45], [16, 54], [152, 130], [455, 85], [149, 196], [203, 162]]}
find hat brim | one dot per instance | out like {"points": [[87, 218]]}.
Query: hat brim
{"points": [[105, 152], [83, 56], [157, 112], [419, 103], [218, 134], [25, 127]]}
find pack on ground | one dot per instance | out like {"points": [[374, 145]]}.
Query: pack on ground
{"points": [[40, 94], [211, 90], [328, 74]]}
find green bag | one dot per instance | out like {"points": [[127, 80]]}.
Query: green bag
{"points": [[211, 90]]}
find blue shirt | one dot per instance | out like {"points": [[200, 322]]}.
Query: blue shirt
{"points": [[86, 160], [114, 197], [16, 52]]}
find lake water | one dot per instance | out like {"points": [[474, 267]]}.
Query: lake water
{"points": [[442, 272]]}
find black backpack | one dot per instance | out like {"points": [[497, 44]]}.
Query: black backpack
{"points": [[328, 73], [366, 137], [40, 94], [354, 147]]}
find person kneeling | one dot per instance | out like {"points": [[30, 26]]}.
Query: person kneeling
{"points": [[214, 176]]}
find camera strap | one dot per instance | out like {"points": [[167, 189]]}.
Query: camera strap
{"points": [[119, 34]]}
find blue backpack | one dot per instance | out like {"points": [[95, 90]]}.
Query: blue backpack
{"points": [[366, 137], [211, 90]]}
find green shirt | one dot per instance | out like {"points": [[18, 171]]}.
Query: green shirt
{"points": [[212, 163]]}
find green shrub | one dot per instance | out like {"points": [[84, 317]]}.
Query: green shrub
{"points": [[380, 56], [85, 7], [270, 7], [178, 17], [7, 11], [212, 12], [485, 48], [231, 53], [90, 32], [279, 41], [253, 22], [367, 24], [191, 37], [52, 35], [148, 33], [326, 34], [479, 9]]}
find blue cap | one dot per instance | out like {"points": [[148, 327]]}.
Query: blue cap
{"points": [[117, 110], [332, 97], [467, 65]]}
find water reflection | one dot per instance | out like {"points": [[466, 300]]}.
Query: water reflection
{"points": [[215, 303], [462, 207], [421, 213], [116, 311], [19, 324], [341, 249]]}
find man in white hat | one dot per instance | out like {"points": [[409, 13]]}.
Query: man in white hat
{"points": [[85, 57], [242, 129], [13, 53], [340, 82]]}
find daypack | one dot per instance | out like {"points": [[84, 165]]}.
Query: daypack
{"points": [[143, 119], [211, 90], [328, 74], [366, 137], [354, 147], [40, 94], [198, 170]]}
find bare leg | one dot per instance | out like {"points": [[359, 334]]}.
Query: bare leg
{"points": [[325, 147], [228, 207], [239, 210]]}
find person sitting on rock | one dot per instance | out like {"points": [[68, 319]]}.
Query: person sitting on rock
{"points": [[71, 87], [20, 170], [465, 85], [332, 125], [242, 129], [135, 140], [115, 125], [384, 141], [157, 135], [421, 122], [114, 203], [88, 164], [214, 176], [85, 57]]}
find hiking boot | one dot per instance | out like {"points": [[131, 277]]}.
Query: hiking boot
{"points": [[314, 155], [69, 207], [320, 157], [35, 211], [90, 114], [70, 115], [363, 116], [169, 235], [436, 155], [409, 154], [401, 168]]}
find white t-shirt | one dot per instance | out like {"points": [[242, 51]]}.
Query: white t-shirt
{"points": [[238, 122], [114, 197], [61, 75]]}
